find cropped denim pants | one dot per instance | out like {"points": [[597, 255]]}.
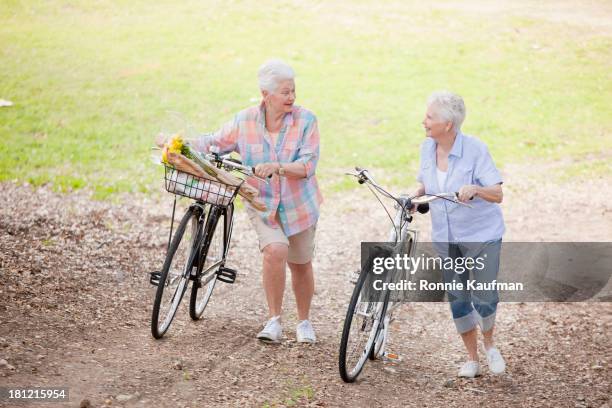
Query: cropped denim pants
{"points": [[471, 307]]}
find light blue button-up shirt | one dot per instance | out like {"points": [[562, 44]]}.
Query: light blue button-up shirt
{"points": [[469, 162]]}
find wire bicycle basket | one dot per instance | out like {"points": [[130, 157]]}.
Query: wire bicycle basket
{"points": [[185, 184]]}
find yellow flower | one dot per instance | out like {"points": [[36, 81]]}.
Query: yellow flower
{"points": [[165, 155], [176, 143]]}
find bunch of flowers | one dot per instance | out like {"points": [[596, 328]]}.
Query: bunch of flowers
{"points": [[176, 144]]}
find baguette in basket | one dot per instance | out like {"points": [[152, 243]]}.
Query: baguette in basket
{"points": [[176, 153], [223, 176]]}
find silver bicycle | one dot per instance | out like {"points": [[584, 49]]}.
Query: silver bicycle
{"points": [[366, 327]]}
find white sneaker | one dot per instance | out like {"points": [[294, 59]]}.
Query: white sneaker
{"points": [[496, 362], [470, 369], [272, 332], [305, 333]]}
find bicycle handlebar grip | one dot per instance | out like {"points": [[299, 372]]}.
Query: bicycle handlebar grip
{"points": [[423, 208]]}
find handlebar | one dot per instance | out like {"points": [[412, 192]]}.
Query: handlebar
{"points": [[232, 164], [428, 198], [403, 203], [364, 176]]}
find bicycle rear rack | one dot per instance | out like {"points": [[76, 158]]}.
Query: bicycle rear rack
{"points": [[227, 275], [154, 278]]}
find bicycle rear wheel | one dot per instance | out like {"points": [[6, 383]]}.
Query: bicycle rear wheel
{"points": [[361, 327], [175, 273], [215, 241]]}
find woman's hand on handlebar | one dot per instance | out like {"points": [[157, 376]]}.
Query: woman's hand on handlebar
{"points": [[418, 191], [467, 192], [265, 170]]}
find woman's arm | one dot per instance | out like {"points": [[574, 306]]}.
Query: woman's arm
{"points": [[492, 194], [308, 153], [488, 180], [296, 169], [305, 164], [419, 191], [225, 139]]}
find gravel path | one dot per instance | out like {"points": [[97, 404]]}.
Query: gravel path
{"points": [[75, 305]]}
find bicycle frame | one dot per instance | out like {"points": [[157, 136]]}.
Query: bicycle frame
{"points": [[402, 240], [400, 226], [400, 232], [406, 233], [205, 262], [204, 240]]}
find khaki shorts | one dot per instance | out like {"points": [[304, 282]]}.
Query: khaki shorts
{"points": [[301, 245]]}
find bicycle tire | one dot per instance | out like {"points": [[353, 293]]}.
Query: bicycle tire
{"points": [[347, 373], [377, 348], [170, 275], [212, 257], [380, 339]]}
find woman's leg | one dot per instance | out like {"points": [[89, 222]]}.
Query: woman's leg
{"points": [[470, 340], [465, 320], [301, 250], [488, 338], [486, 301], [487, 311], [274, 265], [464, 316], [302, 280]]}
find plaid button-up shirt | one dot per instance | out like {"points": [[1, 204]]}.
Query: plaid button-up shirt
{"points": [[296, 200]]}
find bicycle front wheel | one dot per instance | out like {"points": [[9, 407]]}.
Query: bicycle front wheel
{"points": [[175, 273], [215, 240], [361, 327], [406, 247]]}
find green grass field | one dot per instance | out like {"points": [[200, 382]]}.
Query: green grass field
{"points": [[91, 82]]}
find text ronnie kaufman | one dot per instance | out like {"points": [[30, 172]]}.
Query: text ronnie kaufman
{"points": [[471, 284]]}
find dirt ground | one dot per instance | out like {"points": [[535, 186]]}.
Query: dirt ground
{"points": [[75, 301], [75, 306]]}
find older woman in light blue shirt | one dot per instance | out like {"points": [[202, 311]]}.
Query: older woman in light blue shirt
{"points": [[454, 162]]}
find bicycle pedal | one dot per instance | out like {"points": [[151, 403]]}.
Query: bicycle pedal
{"points": [[154, 278], [227, 275]]}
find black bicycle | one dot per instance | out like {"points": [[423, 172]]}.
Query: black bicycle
{"points": [[198, 250]]}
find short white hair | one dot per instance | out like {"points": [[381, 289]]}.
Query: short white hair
{"points": [[449, 107], [272, 72]]}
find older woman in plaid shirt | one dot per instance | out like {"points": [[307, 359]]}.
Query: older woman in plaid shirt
{"points": [[280, 140]]}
